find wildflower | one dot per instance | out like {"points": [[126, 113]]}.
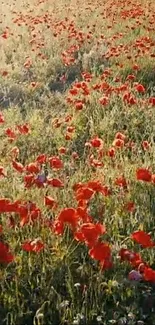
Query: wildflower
{"points": [[18, 166], [2, 171], [68, 216], [49, 201], [142, 238], [143, 174], [33, 168], [55, 182], [6, 256], [35, 245], [134, 276], [89, 233], [101, 251], [140, 88], [55, 162]]}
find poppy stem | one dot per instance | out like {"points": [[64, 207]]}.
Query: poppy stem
{"points": [[124, 241]]}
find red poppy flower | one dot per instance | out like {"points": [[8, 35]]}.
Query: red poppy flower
{"points": [[29, 180], [120, 136], [4, 205], [130, 206], [153, 178], [149, 274], [101, 251], [58, 227], [23, 129], [68, 137], [82, 213], [49, 201], [68, 216], [41, 159], [129, 98], [140, 88], [96, 163], [133, 258], [84, 193], [10, 133], [62, 150], [33, 168], [135, 67], [118, 143], [34, 84], [2, 120], [106, 191], [55, 162], [18, 166], [152, 101], [111, 152], [75, 155], [12, 207], [121, 181], [89, 233], [2, 171], [35, 245], [130, 77], [6, 256], [145, 145], [28, 212], [68, 118], [95, 186], [142, 238], [96, 142], [73, 91], [55, 182], [78, 105], [15, 152], [143, 174], [104, 101], [70, 129], [106, 264]]}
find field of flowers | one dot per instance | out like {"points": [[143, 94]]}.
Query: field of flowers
{"points": [[77, 162]]}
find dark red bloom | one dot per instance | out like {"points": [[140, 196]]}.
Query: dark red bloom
{"points": [[50, 202], [41, 159], [55, 182], [33, 168], [68, 216], [89, 233], [4, 205], [35, 245], [2, 171], [18, 166], [140, 88], [84, 193], [96, 142], [23, 129], [152, 101], [121, 182], [2, 120], [143, 174], [55, 162], [101, 251], [6, 256], [142, 238], [133, 258], [149, 274]]}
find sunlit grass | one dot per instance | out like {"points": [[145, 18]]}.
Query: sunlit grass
{"points": [[77, 126]]}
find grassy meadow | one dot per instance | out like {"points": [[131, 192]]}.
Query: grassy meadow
{"points": [[77, 162]]}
